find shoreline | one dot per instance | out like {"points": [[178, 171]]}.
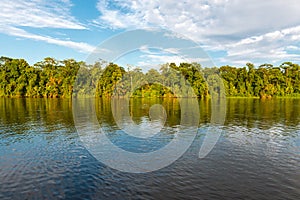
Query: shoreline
{"points": [[208, 98]]}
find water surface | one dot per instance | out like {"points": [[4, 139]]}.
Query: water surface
{"points": [[256, 157]]}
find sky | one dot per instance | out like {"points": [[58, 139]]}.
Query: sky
{"points": [[231, 32]]}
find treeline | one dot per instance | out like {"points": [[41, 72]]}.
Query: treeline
{"points": [[49, 78], [266, 81], [185, 80], [52, 78]]}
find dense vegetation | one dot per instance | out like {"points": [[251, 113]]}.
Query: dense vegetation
{"points": [[51, 78]]}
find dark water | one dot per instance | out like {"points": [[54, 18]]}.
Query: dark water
{"points": [[256, 157]]}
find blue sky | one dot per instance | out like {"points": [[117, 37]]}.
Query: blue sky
{"points": [[232, 32]]}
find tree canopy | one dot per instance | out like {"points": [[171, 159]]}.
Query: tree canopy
{"points": [[52, 78]]}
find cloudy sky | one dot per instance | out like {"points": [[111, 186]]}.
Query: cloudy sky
{"points": [[232, 32]]}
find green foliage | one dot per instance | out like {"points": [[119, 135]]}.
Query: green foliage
{"points": [[266, 81], [108, 81], [52, 78], [48, 78]]}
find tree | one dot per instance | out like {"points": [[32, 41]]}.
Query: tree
{"points": [[108, 81]]}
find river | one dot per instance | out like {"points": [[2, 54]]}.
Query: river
{"points": [[257, 155]]}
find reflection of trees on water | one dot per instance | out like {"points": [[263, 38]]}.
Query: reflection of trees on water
{"points": [[40, 116], [249, 113], [263, 114], [139, 109], [19, 116]]}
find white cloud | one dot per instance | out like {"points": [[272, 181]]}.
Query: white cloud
{"points": [[161, 59], [292, 47], [146, 50], [80, 46], [272, 47], [257, 27], [18, 14], [155, 60], [38, 14]]}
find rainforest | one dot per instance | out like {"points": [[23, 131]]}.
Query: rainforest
{"points": [[53, 78]]}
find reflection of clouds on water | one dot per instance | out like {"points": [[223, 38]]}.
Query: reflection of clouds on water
{"points": [[272, 141]]}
